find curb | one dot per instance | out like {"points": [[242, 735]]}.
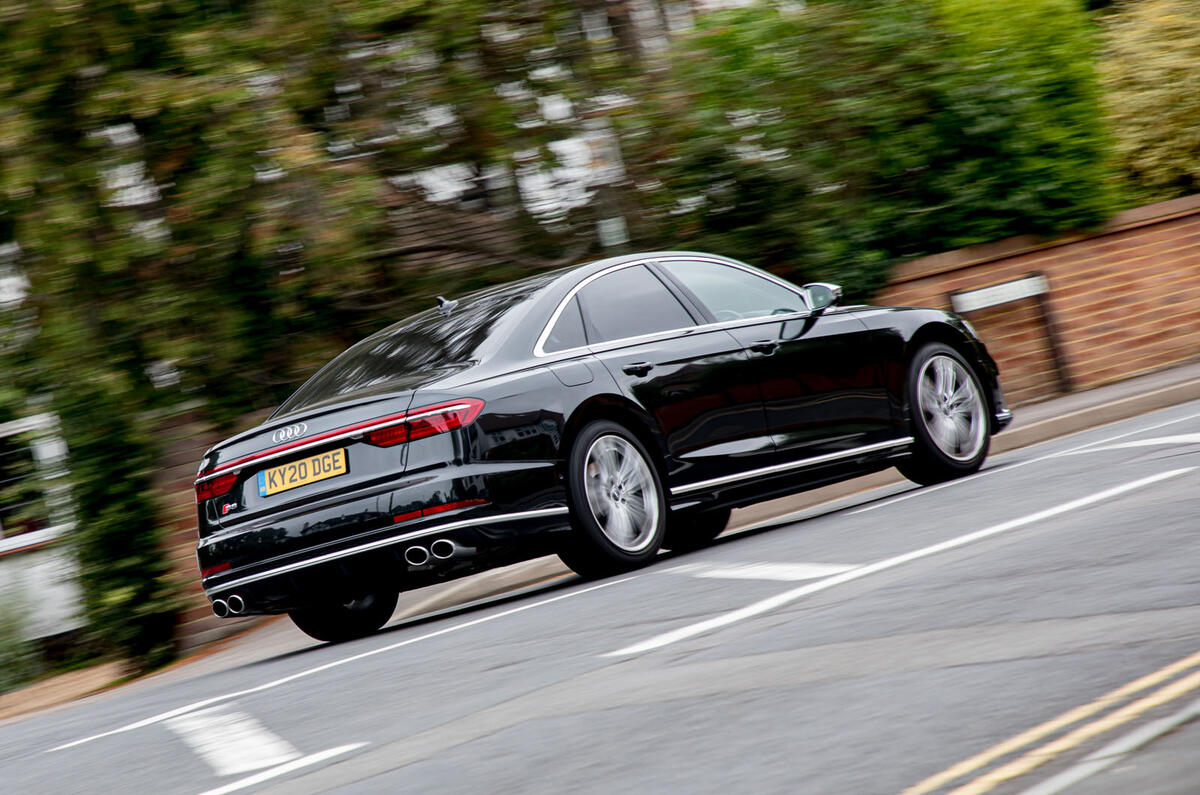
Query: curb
{"points": [[1095, 416]]}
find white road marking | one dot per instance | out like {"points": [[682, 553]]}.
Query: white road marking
{"points": [[162, 716], [1157, 441], [267, 775], [787, 597], [231, 742], [917, 492], [780, 572]]}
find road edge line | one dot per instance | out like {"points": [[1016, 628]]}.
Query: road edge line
{"points": [[1115, 751], [1045, 728]]}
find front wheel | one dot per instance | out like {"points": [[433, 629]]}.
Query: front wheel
{"points": [[949, 416], [618, 507], [344, 621]]}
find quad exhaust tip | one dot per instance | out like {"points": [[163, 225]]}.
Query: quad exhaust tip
{"points": [[236, 604], [416, 556], [443, 549], [220, 608]]}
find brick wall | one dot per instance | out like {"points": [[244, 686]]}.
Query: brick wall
{"points": [[1124, 300]]}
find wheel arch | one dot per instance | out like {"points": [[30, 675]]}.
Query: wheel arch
{"points": [[957, 340], [624, 412]]}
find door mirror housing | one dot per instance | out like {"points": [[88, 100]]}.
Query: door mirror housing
{"points": [[822, 295]]}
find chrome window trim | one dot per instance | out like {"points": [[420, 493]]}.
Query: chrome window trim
{"points": [[567, 353], [775, 469], [767, 275], [383, 542], [539, 349]]}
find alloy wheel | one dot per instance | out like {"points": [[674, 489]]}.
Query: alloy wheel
{"points": [[621, 493], [951, 407]]}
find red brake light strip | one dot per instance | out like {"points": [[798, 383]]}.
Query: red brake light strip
{"points": [[346, 433], [436, 509]]}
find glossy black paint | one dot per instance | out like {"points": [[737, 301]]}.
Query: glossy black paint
{"points": [[714, 401]]}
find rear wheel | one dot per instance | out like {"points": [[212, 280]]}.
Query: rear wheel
{"points": [[688, 530], [356, 618], [618, 507], [949, 417]]}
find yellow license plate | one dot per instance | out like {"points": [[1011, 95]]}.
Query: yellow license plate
{"points": [[299, 473]]}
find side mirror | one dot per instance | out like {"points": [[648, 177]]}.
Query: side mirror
{"points": [[822, 295]]}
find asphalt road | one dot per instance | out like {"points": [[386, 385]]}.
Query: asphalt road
{"points": [[867, 646]]}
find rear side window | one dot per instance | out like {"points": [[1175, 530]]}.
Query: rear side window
{"points": [[629, 303], [567, 331], [732, 293]]}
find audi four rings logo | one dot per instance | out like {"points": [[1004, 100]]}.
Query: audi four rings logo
{"points": [[290, 432]]}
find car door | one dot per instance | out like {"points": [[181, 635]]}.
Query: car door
{"points": [[695, 381], [820, 379]]}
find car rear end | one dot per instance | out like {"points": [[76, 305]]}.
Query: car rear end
{"points": [[374, 475]]}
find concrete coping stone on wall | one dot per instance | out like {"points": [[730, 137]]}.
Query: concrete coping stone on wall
{"points": [[974, 256]]}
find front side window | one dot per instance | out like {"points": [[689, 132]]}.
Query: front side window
{"points": [[732, 293], [629, 303]]}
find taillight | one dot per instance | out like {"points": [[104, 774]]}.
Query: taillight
{"points": [[217, 569], [427, 421], [221, 484], [388, 431], [432, 510]]}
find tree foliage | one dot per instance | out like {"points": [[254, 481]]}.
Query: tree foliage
{"points": [[834, 141], [1150, 67], [20, 660], [128, 598]]}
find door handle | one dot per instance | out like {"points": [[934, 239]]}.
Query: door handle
{"points": [[765, 347], [638, 368]]}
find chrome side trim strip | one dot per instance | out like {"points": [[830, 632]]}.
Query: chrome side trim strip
{"points": [[384, 542], [801, 464]]}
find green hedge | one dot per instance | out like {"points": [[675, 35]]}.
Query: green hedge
{"points": [[837, 140], [128, 597]]}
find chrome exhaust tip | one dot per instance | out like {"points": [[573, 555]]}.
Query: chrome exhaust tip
{"points": [[220, 608], [443, 549], [416, 556], [236, 604]]}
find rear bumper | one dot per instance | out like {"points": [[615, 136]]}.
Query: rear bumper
{"points": [[493, 513], [313, 577]]}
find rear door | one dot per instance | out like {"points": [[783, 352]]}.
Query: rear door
{"points": [[695, 381], [819, 375]]}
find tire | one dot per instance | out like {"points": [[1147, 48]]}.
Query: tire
{"points": [[688, 530], [618, 506], [949, 417], [347, 621]]}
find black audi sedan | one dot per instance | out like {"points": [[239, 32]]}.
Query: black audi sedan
{"points": [[602, 413]]}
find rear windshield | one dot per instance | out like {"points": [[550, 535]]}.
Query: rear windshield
{"points": [[418, 344]]}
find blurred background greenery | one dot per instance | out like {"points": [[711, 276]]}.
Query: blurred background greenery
{"points": [[202, 201]]}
